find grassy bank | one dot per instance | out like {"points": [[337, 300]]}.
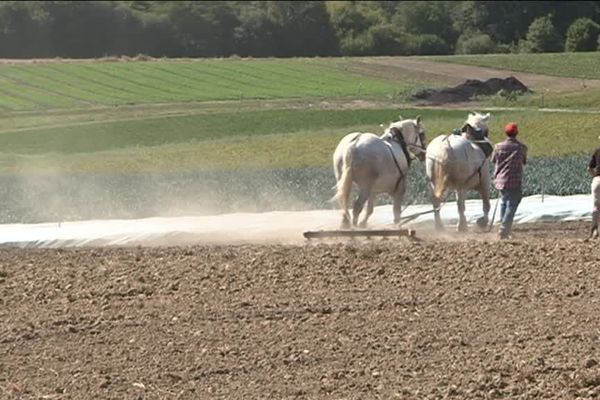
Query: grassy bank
{"points": [[256, 139], [582, 65]]}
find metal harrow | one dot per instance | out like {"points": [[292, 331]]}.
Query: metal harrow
{"points": [[366, 233]]}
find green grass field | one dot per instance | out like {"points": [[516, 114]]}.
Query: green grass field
{"points": [[263, 139], [93, 84], [574, 65], [586, 100], [127, 139], [188, 115]]}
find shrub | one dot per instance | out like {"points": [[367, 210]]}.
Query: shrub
{"points": [[506, 48], [475, 43], [582, 35], [386, 40], [142, 57], [359, 45], [427, 44]]}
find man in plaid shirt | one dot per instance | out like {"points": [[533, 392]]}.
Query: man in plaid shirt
{"points": [[509, 157], [594, 171]]}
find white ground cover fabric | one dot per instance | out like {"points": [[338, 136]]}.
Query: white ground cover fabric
{"points": [[272, 227]]}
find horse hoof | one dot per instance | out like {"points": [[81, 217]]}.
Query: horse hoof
{"points": [[482, 222], [462, 229], [362, 225]]}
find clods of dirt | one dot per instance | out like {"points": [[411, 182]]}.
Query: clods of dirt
{"points": [[393, 319], [471, 88]]}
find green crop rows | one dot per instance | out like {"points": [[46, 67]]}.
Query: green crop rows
{"points": [[73, 196], [257, 139], [86, 84]]}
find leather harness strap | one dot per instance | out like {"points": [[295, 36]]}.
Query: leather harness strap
{"points": [[478, 170], [397, 136]]}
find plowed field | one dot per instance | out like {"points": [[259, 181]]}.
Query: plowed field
{"points": [[465, 319]]}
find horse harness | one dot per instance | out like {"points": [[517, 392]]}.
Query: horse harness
{"points": [[397, 136], [485, 158]]}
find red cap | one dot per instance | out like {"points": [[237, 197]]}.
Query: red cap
{"points": [[511, 129]]}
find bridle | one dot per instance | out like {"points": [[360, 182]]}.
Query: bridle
{"points": [[420, 148]]}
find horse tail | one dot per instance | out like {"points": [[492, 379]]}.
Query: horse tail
{"points": [[344, 184], [440, 179]]}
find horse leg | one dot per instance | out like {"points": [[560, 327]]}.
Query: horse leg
{"points": [[436, 202], [345, 220], [398, 196], [363, 196], [370, 207], [345, 215], [438, 185], [461, 196]]}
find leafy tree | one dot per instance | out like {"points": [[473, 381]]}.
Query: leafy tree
{"points": [[255, 36], [386, 39], [542, 37], [582, 35], [203, 28], [509, 21], [359, 26], [427, 18], [292, 28], [303, 28]]}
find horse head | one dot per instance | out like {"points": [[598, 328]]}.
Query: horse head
{"points": [[412, 133], [476, 124]]}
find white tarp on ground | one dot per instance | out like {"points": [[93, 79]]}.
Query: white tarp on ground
{"points": [[262, 227]]}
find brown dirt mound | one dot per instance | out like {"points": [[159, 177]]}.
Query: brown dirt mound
{"points": [[392, 319], [471, 88]]}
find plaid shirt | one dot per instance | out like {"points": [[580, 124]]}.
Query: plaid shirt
{"points": [[509, 157]]}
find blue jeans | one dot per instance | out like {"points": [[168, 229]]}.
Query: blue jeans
{"points": [[510, 199]]}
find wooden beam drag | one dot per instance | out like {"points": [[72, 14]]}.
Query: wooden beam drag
{"points": [[360, 233]]}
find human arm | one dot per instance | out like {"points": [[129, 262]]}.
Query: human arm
{"points": [[525, 155], [592, 166]]}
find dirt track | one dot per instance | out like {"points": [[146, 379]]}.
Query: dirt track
{"points": [[391, 319], [457, 73]]}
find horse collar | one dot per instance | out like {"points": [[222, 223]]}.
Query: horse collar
{"points": [[397, 136]]}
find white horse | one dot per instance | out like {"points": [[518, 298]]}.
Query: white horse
{"points": [[376, 165], [459, 163]]}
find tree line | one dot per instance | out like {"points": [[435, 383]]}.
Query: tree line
{"points": [[87, 29]]}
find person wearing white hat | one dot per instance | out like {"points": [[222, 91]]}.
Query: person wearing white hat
{"points": [[594, 171]]}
